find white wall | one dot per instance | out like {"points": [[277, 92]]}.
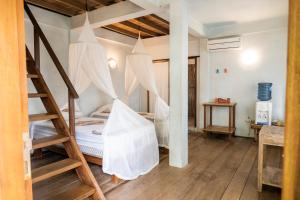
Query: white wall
{"points": [[159, 48], [56, 28], [240, 83]]}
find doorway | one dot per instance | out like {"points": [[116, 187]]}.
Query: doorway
{"points": [[192, 92], [162, 73]]}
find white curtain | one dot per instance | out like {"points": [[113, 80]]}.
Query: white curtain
{"points": [[131, 83], [130, 144], [139, 70], [161, 73]]}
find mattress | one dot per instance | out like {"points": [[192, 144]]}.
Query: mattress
{"points": [[105, 115], [88, 134]]}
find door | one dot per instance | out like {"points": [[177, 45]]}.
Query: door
{"points": [[291, 174], [192, 93], [15, 180]]}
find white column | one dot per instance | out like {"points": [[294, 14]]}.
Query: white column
{"points": [[178, 140]]}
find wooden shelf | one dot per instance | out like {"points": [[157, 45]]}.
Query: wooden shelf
{"points": [[270, 160], [220, 129], [220, 104], [230, 129], [272, 176]]}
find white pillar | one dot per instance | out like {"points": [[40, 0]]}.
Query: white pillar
{"points": [[178, 140]]}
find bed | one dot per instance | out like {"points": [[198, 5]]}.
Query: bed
{"points": [[88, 134], [88, 137], [161, 127]]}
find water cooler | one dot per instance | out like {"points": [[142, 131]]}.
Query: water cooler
{"points": [[263, 108]]}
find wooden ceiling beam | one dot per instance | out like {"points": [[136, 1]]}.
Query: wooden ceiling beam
{"points": [[74, 4], [103, 2], [71, 7], [115, 13], [52, 7], [160, 19], [121, 31], [96, 3], [140, 28], [153, 24]]}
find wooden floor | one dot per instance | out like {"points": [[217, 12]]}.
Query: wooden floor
{"points": [[218, 169]]}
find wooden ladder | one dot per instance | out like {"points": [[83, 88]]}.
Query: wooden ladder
{"points": [[88, 187]]}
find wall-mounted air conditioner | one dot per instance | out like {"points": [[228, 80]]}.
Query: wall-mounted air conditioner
{"points": [[224, 44]]}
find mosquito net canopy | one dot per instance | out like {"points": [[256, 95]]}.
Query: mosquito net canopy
{"points": [[130, 143], [139, 70]]}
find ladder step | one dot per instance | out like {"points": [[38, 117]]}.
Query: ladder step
{"points": [[40, 117], [37, 95], [49, 141], [32, 76], [74, 192], [54, 169]]}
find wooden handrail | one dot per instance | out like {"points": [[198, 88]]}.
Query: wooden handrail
{"points": [[48, 47], [71, 114], [36, 48]]}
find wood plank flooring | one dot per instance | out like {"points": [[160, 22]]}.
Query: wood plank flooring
{"points": [[218, 169]]}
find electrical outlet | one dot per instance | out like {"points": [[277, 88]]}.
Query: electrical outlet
{"points": [[248, 120]]}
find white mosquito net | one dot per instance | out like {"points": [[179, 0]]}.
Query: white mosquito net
{"points": [[139, 70], [130, 143]]}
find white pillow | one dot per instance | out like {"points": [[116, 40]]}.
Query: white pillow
{"points": [[102, 109]]}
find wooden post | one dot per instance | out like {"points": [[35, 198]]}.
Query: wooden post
{"points": [[36, 48], [233, 118], [196, 93], [71, 114], [210, 115], [14, 103], [148, 101], [230, 117], [291, 175], [260, 163], [204, 116]]}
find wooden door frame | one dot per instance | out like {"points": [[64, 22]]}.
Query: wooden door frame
{"points": [[196, 64], [291, 174], [167, 60], [14, 103]]}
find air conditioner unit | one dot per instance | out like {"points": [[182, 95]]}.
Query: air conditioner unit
{"points": [[224, 44]]}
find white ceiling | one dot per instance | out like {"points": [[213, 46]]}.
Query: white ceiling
{"points": [[222, 12]]}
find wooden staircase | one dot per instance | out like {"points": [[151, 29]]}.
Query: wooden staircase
{"points": [[88, 187]]}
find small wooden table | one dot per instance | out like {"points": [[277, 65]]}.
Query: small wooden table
{"points": [[256, 128], [270, 175], [230, 129]]}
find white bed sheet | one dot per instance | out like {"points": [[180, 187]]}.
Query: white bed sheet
{"points": [[89, 137], [105, 115]]}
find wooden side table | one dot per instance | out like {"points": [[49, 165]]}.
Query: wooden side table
{"points": [[267, 174], [256, 129], [230, 129]]}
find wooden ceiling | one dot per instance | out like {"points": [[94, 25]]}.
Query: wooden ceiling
{"points": [[148, 26], [71, 7]]}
